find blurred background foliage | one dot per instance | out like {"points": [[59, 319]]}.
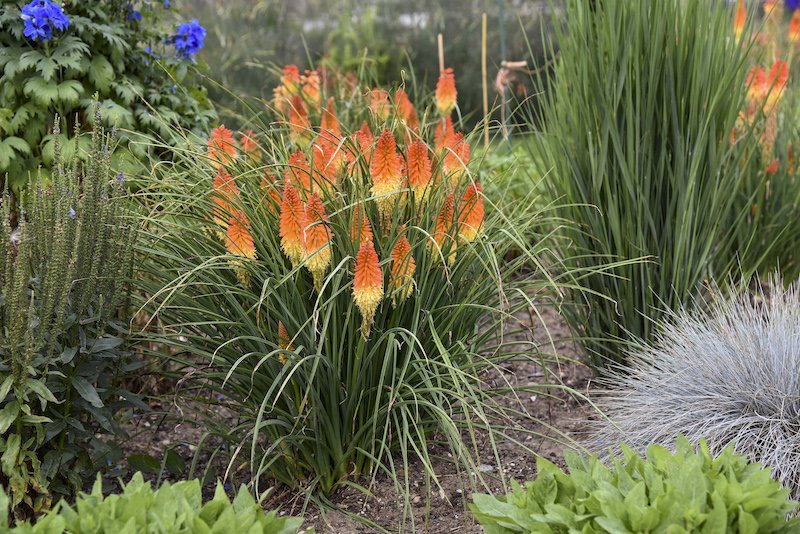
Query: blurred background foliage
{"points": [[247, 39]]}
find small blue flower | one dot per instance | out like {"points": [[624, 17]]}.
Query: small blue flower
{"points": [[71, 213], [133, 14], [188, 39], [173, 88], [166, 3], [40, 17], [792, 4]]}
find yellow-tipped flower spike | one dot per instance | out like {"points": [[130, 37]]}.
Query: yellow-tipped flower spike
{"points": [[472, 213], [367, 285], [419, 171], [456, 159], [317, 239], [739, 18], [292, 224], [402, 275], [361, 228], [386, 170], [446, 92], [239, 242]]}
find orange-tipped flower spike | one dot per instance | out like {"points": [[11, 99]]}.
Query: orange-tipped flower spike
{"points": [[291, 79], [248, 141], [284, 342], [456, 159], [443, 223], [419, 171], [776, 83], [329, 124], [379, 103], [402, 275], [317, 238], [446, 92], [298, 173], [239, 242], [443, 137], [361, 229], [221, 146], [310, 88], [406, 110], [794, 27], [739, 19], [367, 285], [386, 170], [299, 126], [224, 196], [325, 167], [274, 199], [772, 168], [471, 214], [756, 89], [292, 224], [362, 139]]}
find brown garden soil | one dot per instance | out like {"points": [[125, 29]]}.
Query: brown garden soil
{"points": [[541, 425]]}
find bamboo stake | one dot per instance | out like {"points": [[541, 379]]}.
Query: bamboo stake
{"points": [[485, 88], [441, 53]]}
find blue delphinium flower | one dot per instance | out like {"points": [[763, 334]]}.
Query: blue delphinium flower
{"points": [[166, 3], [40, 17], [133, 14], [189, 38], [792, 4]]}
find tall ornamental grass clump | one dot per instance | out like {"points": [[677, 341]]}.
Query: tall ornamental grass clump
{"points": [[339, 283], [728, 375], [63, 329], [635, 141]]}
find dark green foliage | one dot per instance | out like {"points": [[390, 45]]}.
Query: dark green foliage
{"points": [[686, 492], [636, 122], [63, 326], [169, 509], [101, 55]]}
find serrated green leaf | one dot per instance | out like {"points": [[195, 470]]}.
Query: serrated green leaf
{"points": [[40, 91], [5, 123], [47, 68], [100, 72], [87, 391], [70, 91], [31, 59]]}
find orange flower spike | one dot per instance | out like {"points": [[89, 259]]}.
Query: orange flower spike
{"points": [[322, 170], [776, 83], [444, 134], [284, 342], [221, 146], [299, 127], [773, 167], [317, 237], [386, 170], [329, 125], [794, 27], [224, 195], [419, 171], [310, 87], [456, 159], [367, 285], [361, 228], [446, 92], [239, 242], [406, 110], [362, 139], [739, 18], [292, 224], [299, 172], [402, 274], [379, 103], [443, 223], [472, 212], [247, 141], [757, 88], [291, 80]]}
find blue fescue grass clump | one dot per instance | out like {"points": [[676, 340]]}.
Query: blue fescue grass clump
{"points": [[730, 374]]}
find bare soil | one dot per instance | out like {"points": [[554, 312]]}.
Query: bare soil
{"points": [[541, 423]]}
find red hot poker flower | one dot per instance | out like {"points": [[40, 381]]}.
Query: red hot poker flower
{"points": [[402, 274], [221, 146], [443, 137], [239, 242], [361, 229], [379, 103], [419, 171], [224, 195], [740, 17], [367, 285], [317, 250], [443, 223], [446, 92], [299, 126], [292, 224], [298, 173], [472, 212], [386, 170], [456, 159]]}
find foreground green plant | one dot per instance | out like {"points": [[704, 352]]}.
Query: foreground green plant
{"points": [[636, 126], [348, 298], [170, 508], [63, 329], [685, 492]]}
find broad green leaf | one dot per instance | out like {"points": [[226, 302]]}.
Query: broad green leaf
{"points": [[101, 73], [174, 462], [8, 415], [87, 391], [5, 388], [70, 91], [38, 387], [40, 91], [11, 454], [144, 463], [31, 59], [106, 343]]}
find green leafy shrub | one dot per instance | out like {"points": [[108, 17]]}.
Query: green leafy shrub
{"points": [[63, 324], [635, 141], [727, 375], [685, 492], [169, 509], [345, 313], [110, 52]]}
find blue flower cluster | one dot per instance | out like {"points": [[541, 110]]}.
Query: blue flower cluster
{"points": [[792, 4], [189, 38], [40, 17]]}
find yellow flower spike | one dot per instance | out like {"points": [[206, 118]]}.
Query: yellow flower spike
{"points": [[446, 92], [239, 242], [740, 17], [292, 224], [317, 250], [386, 170], [470, 217], [221, 146], [402, 274], [367, 285]]}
